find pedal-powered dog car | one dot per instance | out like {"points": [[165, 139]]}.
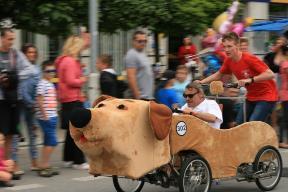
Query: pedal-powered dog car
{"points": [[140, 141]]}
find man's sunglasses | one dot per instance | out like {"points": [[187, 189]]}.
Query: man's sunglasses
{"points": [[50, 71], [190, 95], [141, 41]]}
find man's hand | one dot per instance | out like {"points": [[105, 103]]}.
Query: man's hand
{"points": [[4, 80], [198, 81], [244, 82], [188, 111]]}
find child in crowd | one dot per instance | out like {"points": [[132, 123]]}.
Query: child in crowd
{"points": [[6, 166], [180, 83], [46, 113], [165, 94], [108, 77]]}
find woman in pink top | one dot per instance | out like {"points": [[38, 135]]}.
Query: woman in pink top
{"points": [[70, 84], [283, 94]]}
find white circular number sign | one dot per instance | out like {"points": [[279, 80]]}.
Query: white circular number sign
{"points": [[181, 128]]}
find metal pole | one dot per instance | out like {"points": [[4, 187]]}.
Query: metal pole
{"points": [[93, 28]]}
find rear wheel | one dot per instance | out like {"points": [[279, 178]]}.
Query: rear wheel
{"points": [[195, 175], [268, 167], [123, 184]]}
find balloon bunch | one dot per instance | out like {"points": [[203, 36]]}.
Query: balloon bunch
{"points": [[224, 22]]}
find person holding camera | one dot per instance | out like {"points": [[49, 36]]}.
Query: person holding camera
{"points": [[14, 68]]}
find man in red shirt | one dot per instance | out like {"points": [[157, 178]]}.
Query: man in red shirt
{"points": [[186, 50], [250, 72]]}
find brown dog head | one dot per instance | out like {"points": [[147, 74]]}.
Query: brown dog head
{"points": [[119, 134]]}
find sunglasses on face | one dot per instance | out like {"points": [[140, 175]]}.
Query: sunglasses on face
{"points": [[50, 71], [190, 96], [141, 41]]}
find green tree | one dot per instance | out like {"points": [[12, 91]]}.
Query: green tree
{"points": [[52, 17], [56, 17]]}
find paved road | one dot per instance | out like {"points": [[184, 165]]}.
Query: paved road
{"points": [[71, 180]]}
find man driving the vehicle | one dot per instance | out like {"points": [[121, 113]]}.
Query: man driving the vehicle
{"points": [[199, 106]]}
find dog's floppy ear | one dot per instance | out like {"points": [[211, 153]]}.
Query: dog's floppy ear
{"points": [[160, 119], [101, 98]]}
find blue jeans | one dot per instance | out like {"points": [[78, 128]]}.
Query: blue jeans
{"points": [[256, 111], [30, 122]]}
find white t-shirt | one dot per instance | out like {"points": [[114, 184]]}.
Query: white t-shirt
{"points": [[209, 106], [47, 90]]}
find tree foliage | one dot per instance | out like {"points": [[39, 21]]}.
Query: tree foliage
{"points": [[56, 17]]}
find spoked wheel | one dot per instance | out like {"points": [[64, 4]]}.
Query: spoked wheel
{"points": [[268, 167], [123, 184], [195, 175]]}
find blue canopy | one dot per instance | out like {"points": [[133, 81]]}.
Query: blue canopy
{"points": [[277, 26]]}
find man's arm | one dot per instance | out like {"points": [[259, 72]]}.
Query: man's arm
{"points": [[216, 76], [132, 81], [210, 118], [266, 75], [24, 67], [205, 116]]}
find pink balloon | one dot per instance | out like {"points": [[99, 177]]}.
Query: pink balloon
{"points": [[238, 28], [224, 27]]}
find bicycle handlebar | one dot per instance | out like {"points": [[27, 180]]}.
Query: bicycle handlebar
{"points": [[175, 110], [226, 85]]}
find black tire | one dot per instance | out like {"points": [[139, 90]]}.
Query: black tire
{"points": [[196, 172], [268, 160], [123, 184]]}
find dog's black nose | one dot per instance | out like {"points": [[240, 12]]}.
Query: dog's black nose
{"points": [[80, 117]]}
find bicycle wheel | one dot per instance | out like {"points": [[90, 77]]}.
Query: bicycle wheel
{"points": [[195, 175], [268, 167], [123, 184]]}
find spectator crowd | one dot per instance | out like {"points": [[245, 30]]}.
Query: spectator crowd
{"points": [[26, 91]]}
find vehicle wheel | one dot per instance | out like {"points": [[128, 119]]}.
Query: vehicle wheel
{"points": [[195, 175], [123, 184], [268, 166]]}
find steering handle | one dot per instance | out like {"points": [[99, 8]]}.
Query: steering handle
{"points": [[175, 110]]}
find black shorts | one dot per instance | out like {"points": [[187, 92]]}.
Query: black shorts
{"points": [[9, 117]]}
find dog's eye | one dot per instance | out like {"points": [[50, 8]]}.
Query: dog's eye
{"points": [[122, 107], [100, 105]]}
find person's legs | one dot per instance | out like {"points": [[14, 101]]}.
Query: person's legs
{"points": [[5, 176], [29, 119], [284, 126], [50, 140], [67, 150], [261, 111], [249, 109], [71, 151]]}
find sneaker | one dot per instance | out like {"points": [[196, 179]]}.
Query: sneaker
{"points": [[34, 168], [54, 170], [67, 164], [6, 184], [45, 173], [16, 176], [19, 172], [83, 166]]}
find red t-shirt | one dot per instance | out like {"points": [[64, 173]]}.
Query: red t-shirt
{"points": [[183, 52], [247, 67]]}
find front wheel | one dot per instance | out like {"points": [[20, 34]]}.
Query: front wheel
{"points": [[268, 167], [123, 184], [195, 175]]}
